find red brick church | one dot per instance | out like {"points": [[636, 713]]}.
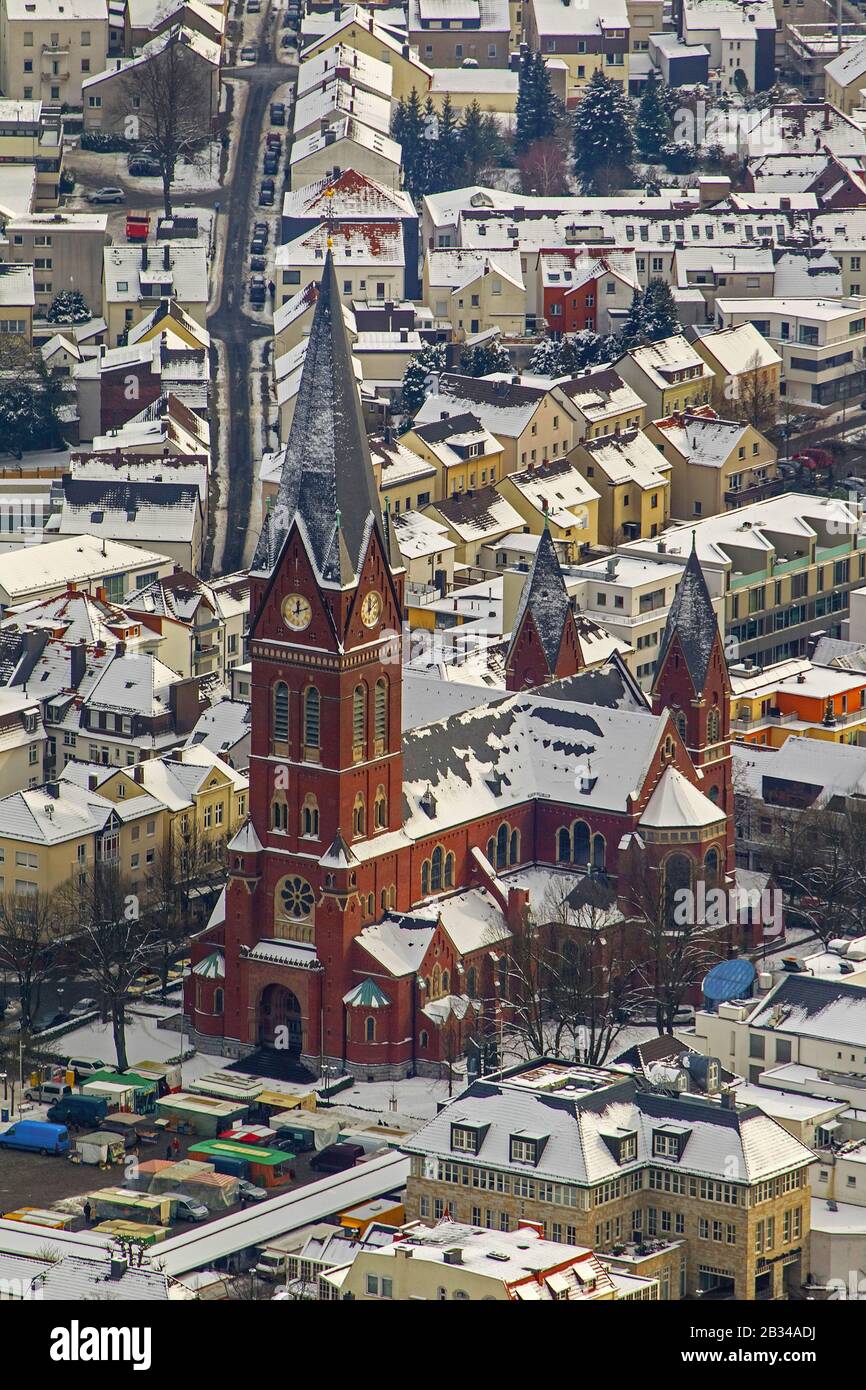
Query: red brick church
{"points": [[374, 891]]}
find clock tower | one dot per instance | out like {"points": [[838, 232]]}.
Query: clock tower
{"points": [[307, 874]]}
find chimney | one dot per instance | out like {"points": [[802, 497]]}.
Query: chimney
{"points": [[138, 773], [53, 789], [77, 663], [166, 263], [120, 649], [117, 1268], [524, 1224], [183, 700], [92, 782], [144, 258]]}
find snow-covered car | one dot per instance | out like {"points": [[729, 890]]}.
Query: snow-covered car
{"points": [[84, 1006]]}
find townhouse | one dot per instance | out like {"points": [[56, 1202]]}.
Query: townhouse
{"points": [[22, 738], [353, 197], [747, 373], [446, 35], [599, 403], [553, 495], [587, 38], [462, 451], [580, 290], [530, 424], [406, 479], [716, 464], [358, 28], [633, 480], [137, 279], [472, 521], [668, 375], [845, 78], [472, 291], [369, 256]]}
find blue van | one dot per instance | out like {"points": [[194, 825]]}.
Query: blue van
{"points": [[37, 1136]]}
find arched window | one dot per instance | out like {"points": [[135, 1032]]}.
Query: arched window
{"points": [[714, 724], [580, 842], [310, 817], [359, 816], [424, 1039], [281, 712], [218, 1001], [383, 899], [280, 814], [449, 870], [680, 723], [514, 847], [471, 981], [502, 847], [677, 878], [563, 846], [312, 713], [436, 983], [370, 1030], [446, 981], [598, 852], [711, 867], [371, 904], [425, 878], [714, 794], [436, 865], [491, 851], [380, 809], [359, 717], [380, 713]]}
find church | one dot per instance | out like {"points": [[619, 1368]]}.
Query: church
{"points": [[375, 891]]}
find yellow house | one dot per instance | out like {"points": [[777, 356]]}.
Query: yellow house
{"points": [[529, 422], [358, 29], [556, 494], [746, 371], [405, 479], [464, 454], [471, 291], [845, 79], [600, 403], [633, 480], [668, 376], [17, 298], [474, 520], [716, 464]]}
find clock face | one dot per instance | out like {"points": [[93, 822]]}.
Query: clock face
{"points": [[297, 612], [371, 609]]}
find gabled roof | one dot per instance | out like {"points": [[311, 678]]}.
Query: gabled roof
{"points": [[327, 481], [692, 621]]}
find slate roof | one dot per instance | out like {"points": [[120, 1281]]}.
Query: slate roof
{"points": [[720, 1141], [692, 621], [545, 600], [810, 1006], [327, 480]]}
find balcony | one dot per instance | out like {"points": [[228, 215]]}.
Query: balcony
{"points": [[757, 492]]}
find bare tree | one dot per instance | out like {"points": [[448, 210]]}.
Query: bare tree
{"points": [[114, 940], [188, 873], [170, 102], [28, 928], [757, 403], [544, 169], [819, 857]]}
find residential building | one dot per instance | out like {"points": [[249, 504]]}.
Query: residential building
{"points": [[406, 479], [446, 35], [22, 741], [463, 453], [106, 95], [529, 422], [845, 78], [668, 375], [64, 248], [31, 136], [741, 38], [370, 257], [747, 373], [474, 519], [163, 518], [358, 28], [187, 614], [821, 343], [47, 49], [584, 290], [599, 403], [17, 300], [555, 495], [470, 291], [353, 197], [633, 480], [136, 279], [346, 144], [42, 571], [796, 698], [715, 464], [588, 39]]}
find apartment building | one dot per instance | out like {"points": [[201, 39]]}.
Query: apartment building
{"points": [[17, 301], [165, 518], [358, 28], [49, 47], [579, 290], [528, 421], [668, 375], [784, 566], [346, 144], [821, 343], [445, 33], [471, 291], [845, 78], [138, 279], [716, 464], [106, 95], [741, 39], [633, 480], [464, 454], [30, 136], [201, 629], [22, 741], [406, 479], [600, 1161], [370, 259], [796, 698], [40, 571], [473, 521], [599, 403], [588, 38], [64, 248]]}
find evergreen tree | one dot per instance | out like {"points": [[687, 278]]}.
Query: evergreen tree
{"points": [[68, 307], [407, 127], [631, 334], [652, 123], [524, 130], [660, 312], [485, 358], [603, 140], [445, 151], [431, 358], [537, 108], [480, 141]]}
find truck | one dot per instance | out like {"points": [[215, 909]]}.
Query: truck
{"points": [[137, 226]]}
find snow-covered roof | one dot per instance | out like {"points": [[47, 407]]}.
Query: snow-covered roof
{"points": [[740, 349], [16, 286], [399, 944], [352, 130], [80, 559], [350, 195], [629, 457], [675, 802], [352, 243]]}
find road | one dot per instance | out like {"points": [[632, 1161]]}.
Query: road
{"points": [[235, 327]]}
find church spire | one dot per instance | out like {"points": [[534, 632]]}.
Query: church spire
{"points": [[327, 478], [692, 621], [544, 603]]}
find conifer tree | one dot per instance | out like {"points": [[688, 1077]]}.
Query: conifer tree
{"points": [[652, 124], [603, 140]]}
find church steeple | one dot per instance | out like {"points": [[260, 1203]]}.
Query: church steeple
{"points": [[544, 642], [691, 627], [327, 480]]}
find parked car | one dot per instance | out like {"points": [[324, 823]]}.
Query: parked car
{"points": [[271, 162], [257, 248], [278, 113], [249, 54], [84, 1006], [145, 983], [259, 264], [87, 1111], [185, 1209], [274, 140], [261, 229], [248, 1192], [36, 1135], [86, 1066], [49, 1091], [266, 193], [52, 1018], [106, 195], [258, 289], [254, 6], [143, 166], [336, 1158], [272, 1265]]}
